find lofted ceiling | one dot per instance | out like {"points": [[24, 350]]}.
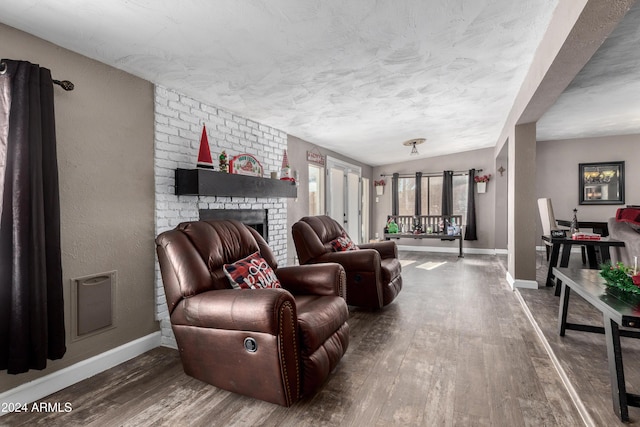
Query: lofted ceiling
{"points": [[357, 77]]}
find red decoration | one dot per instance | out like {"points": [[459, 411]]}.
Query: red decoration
{"points": [[483, 178], [251, 272], [245, 164], [204, 155], [285, 171], [630, 215]]}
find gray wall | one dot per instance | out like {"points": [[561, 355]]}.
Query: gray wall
{"points": [[485, 203], [105, 161], [502, 191], [557, 173], [297, 208]]}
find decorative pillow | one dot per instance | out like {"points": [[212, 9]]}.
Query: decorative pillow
{"points": [[629, 215], [343, 243], [251, 272]]}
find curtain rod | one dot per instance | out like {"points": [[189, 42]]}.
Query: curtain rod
{"points": [[65, 84], [456, 173]]}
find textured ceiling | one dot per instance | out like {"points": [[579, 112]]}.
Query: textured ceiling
{"points": [[358, 77], [604, 98]]}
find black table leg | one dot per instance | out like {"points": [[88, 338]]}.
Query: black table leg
{"points": [[566, 253], [605, 252], [564, 262], [564, 305], [460, 255], [616, 370], [591, 255], [553, 262]]}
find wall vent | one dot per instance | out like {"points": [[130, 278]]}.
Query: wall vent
{"points": [[92, 304]]}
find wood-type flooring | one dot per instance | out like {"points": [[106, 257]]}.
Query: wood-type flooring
{"points": [[454, 349], [582, 355]]}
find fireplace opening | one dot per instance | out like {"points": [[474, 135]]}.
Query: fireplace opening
{"points": [[254, 218]]}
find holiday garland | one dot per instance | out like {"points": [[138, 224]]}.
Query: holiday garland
{"points": [[619, 276]]}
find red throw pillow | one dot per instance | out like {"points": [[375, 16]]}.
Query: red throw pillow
{"points": [[251, 272], [343, 243], [630, 215]]}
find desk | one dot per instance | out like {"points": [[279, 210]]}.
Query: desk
{"points": [[598, 227], [618, 308], [566, 242]]}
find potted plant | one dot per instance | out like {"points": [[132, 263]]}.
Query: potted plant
{"points": [[481, 182], [379, 186]]}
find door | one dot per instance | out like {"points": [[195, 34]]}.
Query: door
{"points": [[364, 208], [344, 196]]}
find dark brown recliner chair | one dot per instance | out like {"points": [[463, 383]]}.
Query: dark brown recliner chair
{"points": [[275, 345], [373, 272]]}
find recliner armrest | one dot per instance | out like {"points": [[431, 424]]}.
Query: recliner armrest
{"points": [[386, 249], [314, 279], [255, 310], [360, 260]]}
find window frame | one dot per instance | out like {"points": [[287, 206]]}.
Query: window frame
{"points": [[425, 187]]}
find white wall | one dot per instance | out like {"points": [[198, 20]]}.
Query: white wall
{"points": [[178, 128]]}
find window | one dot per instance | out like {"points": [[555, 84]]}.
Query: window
{"points": [[460, 183], [316, 190], [406, 196], [431, 195]]}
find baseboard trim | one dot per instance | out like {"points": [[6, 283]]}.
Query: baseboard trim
{"points": [[573, 394], [476, 251], [56, 381], [520, 283], [502, 251]]}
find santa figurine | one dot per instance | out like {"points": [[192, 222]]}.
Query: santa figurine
{"points": [[285, 171]]}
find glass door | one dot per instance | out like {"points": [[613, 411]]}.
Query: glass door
{"points": [[364, 208]]}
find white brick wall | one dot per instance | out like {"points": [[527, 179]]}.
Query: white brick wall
{"points": [[178, 127]]}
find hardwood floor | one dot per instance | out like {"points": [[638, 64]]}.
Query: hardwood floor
{"points": [[583, 356], [455, 348]]}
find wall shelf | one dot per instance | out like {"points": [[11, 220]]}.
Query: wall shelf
{"points": [[202, 182]]}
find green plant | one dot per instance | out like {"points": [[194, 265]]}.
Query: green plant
{"points": [[619, 276]]}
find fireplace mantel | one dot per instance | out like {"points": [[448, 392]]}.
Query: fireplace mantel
{"points": [[201, 182]]}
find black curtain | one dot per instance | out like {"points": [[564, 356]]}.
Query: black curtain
{"points": [[395, 200], [418, 210], [447, 193], [470, 229], [31, 300]]}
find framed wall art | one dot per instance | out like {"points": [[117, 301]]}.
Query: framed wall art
{"points": [[601, 183]]}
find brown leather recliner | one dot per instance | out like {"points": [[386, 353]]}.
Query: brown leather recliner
{"points": [[275, 345], [373, 272]]}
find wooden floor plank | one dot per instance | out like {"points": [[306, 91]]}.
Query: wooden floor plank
{"points": [[582, 355], [454, 348]]}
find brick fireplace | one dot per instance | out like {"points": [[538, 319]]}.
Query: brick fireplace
{"points": [[178, 127], [258, 219]]}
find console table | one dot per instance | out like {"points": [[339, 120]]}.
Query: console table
{"points": [[618, 308], [566, 243]]}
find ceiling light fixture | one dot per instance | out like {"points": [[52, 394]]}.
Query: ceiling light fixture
{"points": [[412, 143]]}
